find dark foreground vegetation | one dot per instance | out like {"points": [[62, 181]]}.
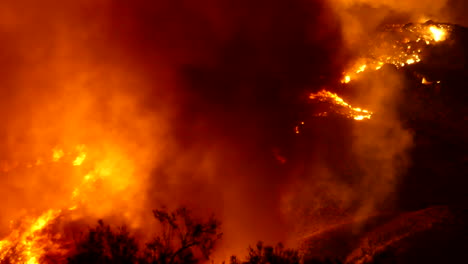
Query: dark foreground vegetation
{"points": [[181, 240]]}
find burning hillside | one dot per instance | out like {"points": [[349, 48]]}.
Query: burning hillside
{"points": [[431, 105], [398, 45], [33, 237], [112, 109], [354, 112]]}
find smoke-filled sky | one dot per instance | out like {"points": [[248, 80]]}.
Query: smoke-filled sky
{"points": [[189, 103]]}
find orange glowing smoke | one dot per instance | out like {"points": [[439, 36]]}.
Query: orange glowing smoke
{"points": [[400, 53], [28, 241], [353, 112]]}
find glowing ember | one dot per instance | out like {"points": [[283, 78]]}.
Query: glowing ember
{"points": [[410, 61], [361, 68], [424, 81], [297, 128], [346, 79], [353, 112]]}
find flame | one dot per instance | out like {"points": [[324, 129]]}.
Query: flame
{"points": [[346, 79], [424, 81], [361, 68], [410, 61], [28, 242], [400, 53], [353, 112], [438, 34]]}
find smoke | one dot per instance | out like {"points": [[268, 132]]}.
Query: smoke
{"points": [[171, 103], [355, 174], [193, 103], [382, 147], [65, 88]]}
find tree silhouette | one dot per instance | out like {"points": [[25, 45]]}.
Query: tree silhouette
{"points": [[103, 245], [269, 255], [183, 239], [277, 255]]}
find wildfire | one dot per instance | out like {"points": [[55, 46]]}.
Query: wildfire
{"points": [[346, 79], [353, 112], [438, 34], [405, 51], [28, 242], [424, 81]]}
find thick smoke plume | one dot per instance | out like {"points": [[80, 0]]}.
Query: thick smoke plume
{"points": [[194, 103], [167, 103], [357, 176], [382, 147]]}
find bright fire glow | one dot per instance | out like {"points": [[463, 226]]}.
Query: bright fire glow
{"points": [[57, 154], [424, 81], [361, 68], [353, 112], [438, 34], [346, 79], [29, 240], [81, 156], [400, 53]]}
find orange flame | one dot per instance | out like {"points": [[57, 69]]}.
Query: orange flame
{"points": [[400, 53], [438, 34], [354, 112], [28, 242]]}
